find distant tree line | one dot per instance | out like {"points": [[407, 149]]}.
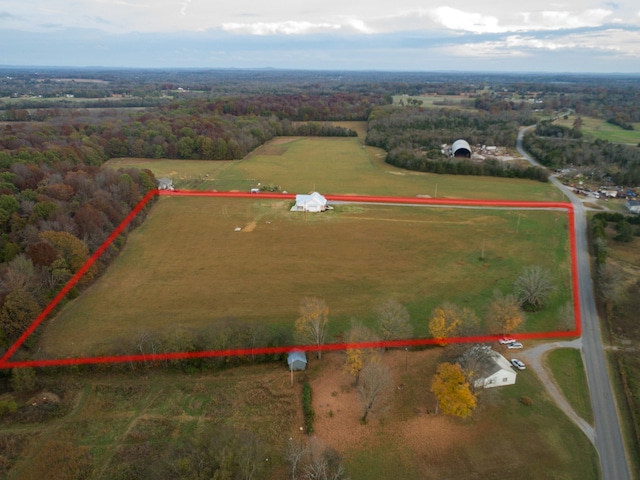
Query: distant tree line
{"points": [[221, 129]]}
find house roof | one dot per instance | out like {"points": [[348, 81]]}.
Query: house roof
{"points": [[165, 181], [493, 364], [314, 197]]}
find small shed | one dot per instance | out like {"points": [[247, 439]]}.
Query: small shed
{"points": [[297, 360], [165, 184], [494, 371], [313, 202], [633, 206]]}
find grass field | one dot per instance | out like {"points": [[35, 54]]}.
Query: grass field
{"points": [[568, 371], [597, 128], [333, 165], [187, 266], [118, 426]]}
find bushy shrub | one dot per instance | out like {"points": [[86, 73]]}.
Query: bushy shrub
{"points": [[307, 408]]}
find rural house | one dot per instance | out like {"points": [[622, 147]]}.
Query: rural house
{"points": [[633, 206], [297, 360], [310, 203], [494, 371], [165, 184]]}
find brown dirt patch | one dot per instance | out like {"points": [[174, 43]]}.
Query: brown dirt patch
{"points": [[338, 409], [251, 227]]}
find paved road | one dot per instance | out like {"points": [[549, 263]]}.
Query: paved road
{"points": [[608, 436]]}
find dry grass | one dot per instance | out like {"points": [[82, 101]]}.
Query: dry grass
{"points": [[188, 267]]}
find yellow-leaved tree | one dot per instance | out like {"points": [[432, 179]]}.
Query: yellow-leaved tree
{"points": [[453, 391], [444, 323], [311, 325]]}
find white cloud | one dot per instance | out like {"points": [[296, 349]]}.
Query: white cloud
{"points": [[287, 28], [614, 41], [470, 22], [543, 20]]}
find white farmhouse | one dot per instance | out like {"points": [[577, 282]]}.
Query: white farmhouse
{"points": [[494, 371], [310, 203]]}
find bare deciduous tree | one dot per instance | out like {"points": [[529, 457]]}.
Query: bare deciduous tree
{"points": [[472, 359], [376, 386], [609, 283], [533, 287], [311, 326], [358, 356]]}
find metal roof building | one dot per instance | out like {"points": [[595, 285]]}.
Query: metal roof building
{"points": [[461, 148]]}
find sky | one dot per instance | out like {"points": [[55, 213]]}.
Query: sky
{"points": [[579, 36]]}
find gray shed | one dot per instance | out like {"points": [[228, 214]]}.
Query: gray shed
{"points": [[297, 360]]}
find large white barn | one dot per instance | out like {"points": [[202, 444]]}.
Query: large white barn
{"points": [[310, 203]]}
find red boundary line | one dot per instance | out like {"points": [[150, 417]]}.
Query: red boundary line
{"points": [[5, 363]]}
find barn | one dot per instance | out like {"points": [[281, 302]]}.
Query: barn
{"points": [[494, 371], [310, 203], [461, 149], [297, 360]]}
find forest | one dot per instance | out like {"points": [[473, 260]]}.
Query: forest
{"points": [[556, 146], [413, 138]]}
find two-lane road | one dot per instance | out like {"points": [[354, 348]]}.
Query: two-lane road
{"points": [[608, 436]]}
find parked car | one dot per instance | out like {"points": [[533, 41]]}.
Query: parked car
{"points": [[506, 340], [514, 345], [518, 364]]}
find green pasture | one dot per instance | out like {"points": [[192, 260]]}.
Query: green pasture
{"points": [[333, 166], [188, 267], [598, 128], [568, 370]]}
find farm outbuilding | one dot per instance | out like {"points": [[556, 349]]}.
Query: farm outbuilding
{"points": [[633, 206], [165, 184], [461, 149], [297, 360], [494, 371], [310, 203]]}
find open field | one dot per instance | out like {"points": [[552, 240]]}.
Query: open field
{"points": [[568, 371], [187, 267], [504, 438], [333, 165], [597, 128], [434, 101], [123, 426]]}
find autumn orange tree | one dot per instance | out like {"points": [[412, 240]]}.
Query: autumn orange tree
{"points": [[504, 314], [444, 322], [311, 325], [453, 391]]}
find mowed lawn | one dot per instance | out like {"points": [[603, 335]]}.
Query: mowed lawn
{"points": [[187, 266], [333, 166]]}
